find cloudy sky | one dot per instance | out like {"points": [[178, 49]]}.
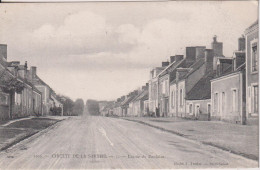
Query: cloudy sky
{"points": [[105, 50]]}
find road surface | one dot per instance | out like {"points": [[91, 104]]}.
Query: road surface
{"points": [[103, 142]]}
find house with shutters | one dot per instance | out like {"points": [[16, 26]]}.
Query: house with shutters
{"points": [[49, 99], [137, 105], [252, 73], [164, 79], [19, 97], [228, 90], [196, 65], [153, 89]]}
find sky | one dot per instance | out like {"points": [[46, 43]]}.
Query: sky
{"points": [[103, 50]]}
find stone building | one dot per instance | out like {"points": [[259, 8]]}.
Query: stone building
{"points": [[49, 100], [137, 105], [196, 65], [228, 88], [252, 73], [153, 88], [164, 79], [19, 97]]}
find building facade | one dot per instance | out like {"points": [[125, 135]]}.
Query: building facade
{"points": [[252, 73]]}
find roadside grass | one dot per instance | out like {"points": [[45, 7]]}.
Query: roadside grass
{"points": [[2, 122], [34, 123], [20, 130], [234, 138]]}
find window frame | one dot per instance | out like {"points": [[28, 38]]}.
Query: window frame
{"points": [[254, 43]]}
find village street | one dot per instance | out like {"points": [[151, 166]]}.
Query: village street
{"points": [[105, 142]]}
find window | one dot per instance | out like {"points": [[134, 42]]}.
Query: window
{"points": [[173, 99], [181, 98], [209, 108], [249, 99], [254, 58], [216, 103], [223, 102], [190, 109], [255, 88], [17, 98], [163, 87], [3, 99], [234, 100]]}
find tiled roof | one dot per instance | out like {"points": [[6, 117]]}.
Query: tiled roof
{"points": [[182, 63], [127, 100], [142, 96], [194, 67], [202, 90]]}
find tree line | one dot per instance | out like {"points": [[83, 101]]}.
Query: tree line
{"points": [[70, 107]]}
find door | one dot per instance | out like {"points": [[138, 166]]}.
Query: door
{"points": [[255, 99], [197, 110], [209, 111], [33, 105]]}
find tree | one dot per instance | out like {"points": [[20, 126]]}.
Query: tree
{"points": [[78, 107], [93, 107], [67, 105]]}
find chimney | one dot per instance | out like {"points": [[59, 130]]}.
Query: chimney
{"points": [[190, 54], [172, 59], [200, 52], [217, 47], [33, 71], [209, 55], [238, 59], [165, 63], [3, 52], [241, 43], [25, 65], [179, 57]]}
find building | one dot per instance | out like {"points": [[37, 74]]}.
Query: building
{"points": [[18, 96], [252, 66], [164, 79], [49, 99], [197, 64], [198, 100], [126, 105], [137, 104], [153, 89], [228, 88]]}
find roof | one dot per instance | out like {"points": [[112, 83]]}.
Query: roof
{"points": [[127, 100], [173, 73], [169, 66], [43, 83], [193, 67], [252, 26], [142, 96], [201, 90]]}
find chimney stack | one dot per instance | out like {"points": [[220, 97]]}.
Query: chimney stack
{"points": [[241, 43], [3, 52], [200, 52], [172, 59], [178, 57], [190, 54], [217, 47], [165, 63], [33, 72], [209, 55]]}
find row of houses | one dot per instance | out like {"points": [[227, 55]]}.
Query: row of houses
{"points": [[201, 84], [22, 92]]}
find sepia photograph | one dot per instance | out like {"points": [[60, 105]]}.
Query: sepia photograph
{"points": [[129, 84]]}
